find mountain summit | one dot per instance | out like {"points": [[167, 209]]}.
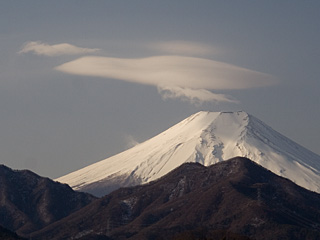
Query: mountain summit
{"points": [[206, 138]]}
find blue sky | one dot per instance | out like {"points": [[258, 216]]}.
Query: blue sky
{"points": [[78, 82]]}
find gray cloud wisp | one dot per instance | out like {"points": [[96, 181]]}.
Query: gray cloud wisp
{"points": [[185, 48]]}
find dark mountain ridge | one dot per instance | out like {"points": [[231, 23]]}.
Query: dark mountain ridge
{"points": [[29, 202], [236, 198]]}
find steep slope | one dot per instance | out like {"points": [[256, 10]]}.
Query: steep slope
{"points": [[206, 138], [29, 202], [236, 196]]}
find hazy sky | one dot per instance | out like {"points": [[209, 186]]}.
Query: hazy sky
{"points": [[83, 80]]}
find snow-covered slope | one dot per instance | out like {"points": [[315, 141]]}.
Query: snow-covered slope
{"points": [[207, 138]]}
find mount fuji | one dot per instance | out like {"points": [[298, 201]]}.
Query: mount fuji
{"points": [[206, 138]]}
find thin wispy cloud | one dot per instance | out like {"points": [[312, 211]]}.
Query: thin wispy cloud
{"points": [[131, 141], [185, 48], [40, 48]]}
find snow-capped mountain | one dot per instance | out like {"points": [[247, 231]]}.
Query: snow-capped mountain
{"points": [[206, 138]]}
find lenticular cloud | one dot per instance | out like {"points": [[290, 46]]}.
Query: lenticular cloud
{"points": [[175, 76]]}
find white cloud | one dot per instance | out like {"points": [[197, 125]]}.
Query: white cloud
{"points": [[184, 78], [40, 48], [184, 48], [194, 96]]}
